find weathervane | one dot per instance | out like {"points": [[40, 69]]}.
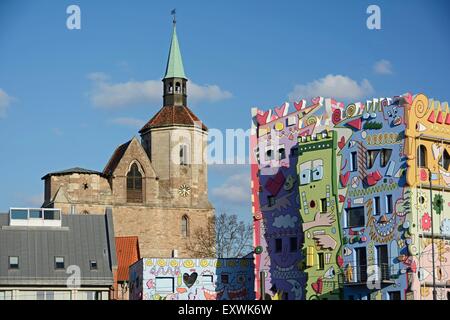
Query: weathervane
{"points": [[174, 12]]}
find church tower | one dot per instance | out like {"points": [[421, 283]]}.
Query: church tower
{"points": [[176, 140], [174, 80]]}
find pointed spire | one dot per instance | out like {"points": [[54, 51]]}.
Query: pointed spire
{"points": [[174, 67]]}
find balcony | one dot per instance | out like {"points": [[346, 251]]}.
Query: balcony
{"points": [[364, 274], [32, 217]]}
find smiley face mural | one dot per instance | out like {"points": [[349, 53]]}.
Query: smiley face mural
{"points": [[192, 279], [278, 225], [319, 213]]}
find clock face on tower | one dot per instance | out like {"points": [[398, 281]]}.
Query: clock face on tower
{"points": [[184, 190]]}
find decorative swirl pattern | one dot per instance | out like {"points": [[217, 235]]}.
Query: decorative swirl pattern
{"points": [[337, 116], [351, 110], [311, 120], [420, 105]]}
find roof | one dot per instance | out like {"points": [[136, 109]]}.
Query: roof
{"points": [[80, 239], [127, 254], [115, 158], [174, 68], [71, 171], [173, 115]]}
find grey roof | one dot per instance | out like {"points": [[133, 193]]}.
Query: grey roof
{"points": [[72, 170], [80, 239]]}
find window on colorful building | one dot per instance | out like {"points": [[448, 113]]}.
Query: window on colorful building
{"points": [[294, 151], [354, 161], [269, 154], [444, 161], [320, 261], [281, 153], [164, 284], [385, 157], [271, 201], [323, 205], [389, 204], [376, 205], [224, 278], [278, 245], [421, 156], [394, 295], [355, 217], [371, 157], [207, 279], [293, 244]]}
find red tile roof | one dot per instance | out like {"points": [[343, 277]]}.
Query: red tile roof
{"points": [[127, 249], [115, 158], [172, 115]]}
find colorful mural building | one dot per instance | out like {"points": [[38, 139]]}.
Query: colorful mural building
{"points": [[342, 203], [192, 279]]}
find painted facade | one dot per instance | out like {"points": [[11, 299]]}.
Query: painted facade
{"points": [[360, 176], [192, 279], [428, 130], [280, 247], [375, 230], [318, 210]]}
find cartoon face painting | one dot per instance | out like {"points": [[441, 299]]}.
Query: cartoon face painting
{"points": [[393, 114]]}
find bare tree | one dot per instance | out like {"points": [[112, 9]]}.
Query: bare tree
{"points": [[224, 236]]}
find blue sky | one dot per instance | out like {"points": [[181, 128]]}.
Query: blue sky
{"points": [[58, 87]]}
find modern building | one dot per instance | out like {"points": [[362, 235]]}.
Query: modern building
{"points": [[295, 203], [192, 279], [359, 204], [156, 185], [45, 255]]}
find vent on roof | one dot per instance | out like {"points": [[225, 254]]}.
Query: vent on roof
{"points": [[30, 217]]}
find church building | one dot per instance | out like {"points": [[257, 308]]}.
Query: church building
{"points": [[155, 186]]}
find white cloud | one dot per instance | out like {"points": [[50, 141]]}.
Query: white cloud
{"points": [[382, 67], [130, 122], [210, 93], [105, 94], [5, 102], [333, 86], [235, 189]]}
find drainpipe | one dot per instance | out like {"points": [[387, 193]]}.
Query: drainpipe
{"points": [[262, 283], [432, 235]]}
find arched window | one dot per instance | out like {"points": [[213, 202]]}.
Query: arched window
{"points": [[185, 226], [134, 184], [177, 87], [170, 89], [421, 156], [184, 88]]}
